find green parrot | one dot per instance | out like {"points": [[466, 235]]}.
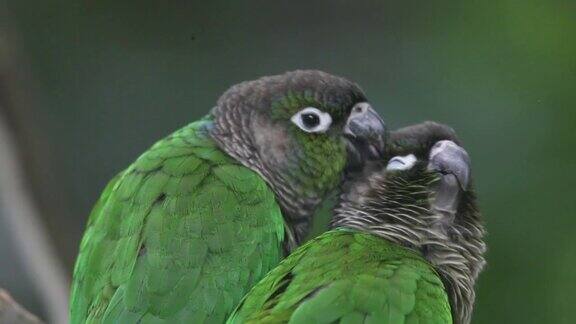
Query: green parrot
{"points": [[406, 246], [184, 232]]}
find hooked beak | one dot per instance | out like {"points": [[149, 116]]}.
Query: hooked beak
{"points": [[365, 133]]}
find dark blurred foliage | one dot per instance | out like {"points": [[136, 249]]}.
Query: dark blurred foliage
{"points": [[111, 77]]}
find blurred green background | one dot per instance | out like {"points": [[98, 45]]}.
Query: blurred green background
{"points": [[105, 79]]}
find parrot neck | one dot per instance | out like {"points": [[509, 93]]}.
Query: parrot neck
{"points": [[297, 209], [398, 210]]}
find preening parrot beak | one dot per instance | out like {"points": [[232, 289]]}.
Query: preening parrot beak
{"points": [[365, 133]]}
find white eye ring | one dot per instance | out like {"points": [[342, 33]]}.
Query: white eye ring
{"points": [[399, 163], [324, 120]]}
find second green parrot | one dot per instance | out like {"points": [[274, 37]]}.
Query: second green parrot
{"points": [[406, 247]]}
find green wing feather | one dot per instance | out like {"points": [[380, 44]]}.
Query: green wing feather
{"points": [[348, 277], [179, 236]]}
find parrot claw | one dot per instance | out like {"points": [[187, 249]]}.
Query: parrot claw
{"points": [[453, 163]]}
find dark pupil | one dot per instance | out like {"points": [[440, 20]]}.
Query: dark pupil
{"points": [[310, 120]]}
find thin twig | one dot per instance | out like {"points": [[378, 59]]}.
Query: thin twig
{"points": [[11, 312]]}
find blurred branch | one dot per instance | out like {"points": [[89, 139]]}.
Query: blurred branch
{"points": [[11, 312], [16, 197], [22, 104], [37, 253]]}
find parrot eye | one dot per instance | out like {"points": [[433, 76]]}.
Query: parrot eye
{"points": [[312, 120]]}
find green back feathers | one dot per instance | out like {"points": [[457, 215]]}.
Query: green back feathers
{"points": [[182, 234], [348, 277]]}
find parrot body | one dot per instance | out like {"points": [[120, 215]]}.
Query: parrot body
{"points": [[184, 220], [346, 276], [406, 247], [186, 230]]}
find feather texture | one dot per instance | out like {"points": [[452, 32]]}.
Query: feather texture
{"points": [[181, 235], [344, 276]]}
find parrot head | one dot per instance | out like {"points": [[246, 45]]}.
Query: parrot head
{"points": [[426, 204], [300, 131]]}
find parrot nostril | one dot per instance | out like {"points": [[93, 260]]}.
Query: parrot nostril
{"points": [[360, 108]]}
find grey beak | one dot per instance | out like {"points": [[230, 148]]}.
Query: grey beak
{"points": [[450, 159], [366, 131], [453, 163]]}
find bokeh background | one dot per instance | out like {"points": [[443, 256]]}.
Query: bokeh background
{"points": [[86, 86]]}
